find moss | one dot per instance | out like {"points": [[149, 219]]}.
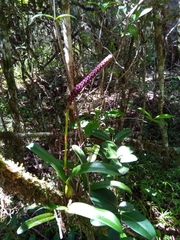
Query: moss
{"points": [[16, 181]]}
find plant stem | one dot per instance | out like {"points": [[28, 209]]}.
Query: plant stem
{"points": [[66, 135]]}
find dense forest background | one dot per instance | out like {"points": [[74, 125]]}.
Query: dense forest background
{"points": [[47, 48]]}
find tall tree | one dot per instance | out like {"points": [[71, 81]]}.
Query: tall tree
{"points": [[159, 43], [7, 63]]}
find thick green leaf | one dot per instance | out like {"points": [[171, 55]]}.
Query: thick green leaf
{"points": [[93, 156], [146, 113], [158, 121], [109, 150], [105, 199], [94, 167], [162, 116], [125, 155], [124, 150], [145, 11], [110, 183], [114, 235], [114, 113], [97, 223], [138, 223], [94, 213], [126, 206], [61, 208], [82, 157], [150, 118], [122, 134], [48, 158], [128, 238], [122, 168], [80, 154], [100, 134], [92, 125], [128, 158], [45, 217]]}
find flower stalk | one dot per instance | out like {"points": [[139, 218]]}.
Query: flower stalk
{"points": [[77, 89], [74, 93]]}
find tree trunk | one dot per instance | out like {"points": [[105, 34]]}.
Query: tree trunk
{"points": [[159, 43], [171, 32], [68, 51], [7, 67]]}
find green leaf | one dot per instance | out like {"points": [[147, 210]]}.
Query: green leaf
{"points": [[159, 121], [63, 16], [40, 15], [92, 125], [82, 157], [114, 113], [49, 16], [146, 113], [48, 158], [94, 167], [93, 156], [122, 134], [23, 2], [94, 213], [133, 30], [92, 3], [111, 184], [126, 206], [109, 150], [79, 153], [100, 134], [105, 199], [125, 155], [145, 11], [122, 168], [45, 217], [128, 238], [138, 223], [162, 116], [61, 208], [108, 4], [96, 223]]}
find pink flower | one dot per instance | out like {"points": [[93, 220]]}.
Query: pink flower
{"points": [[77, 89]]}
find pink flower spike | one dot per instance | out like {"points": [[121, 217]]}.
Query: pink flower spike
{"points": [[77, 89]]}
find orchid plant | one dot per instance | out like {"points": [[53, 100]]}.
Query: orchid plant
{"points": [[98, 196]]}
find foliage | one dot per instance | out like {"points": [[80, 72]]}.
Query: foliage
{"points": [[105, 209], [127, 94], [160, 195]]}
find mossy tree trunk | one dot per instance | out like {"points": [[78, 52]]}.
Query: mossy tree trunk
{"points": [[7, 65], [17, 182]]}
